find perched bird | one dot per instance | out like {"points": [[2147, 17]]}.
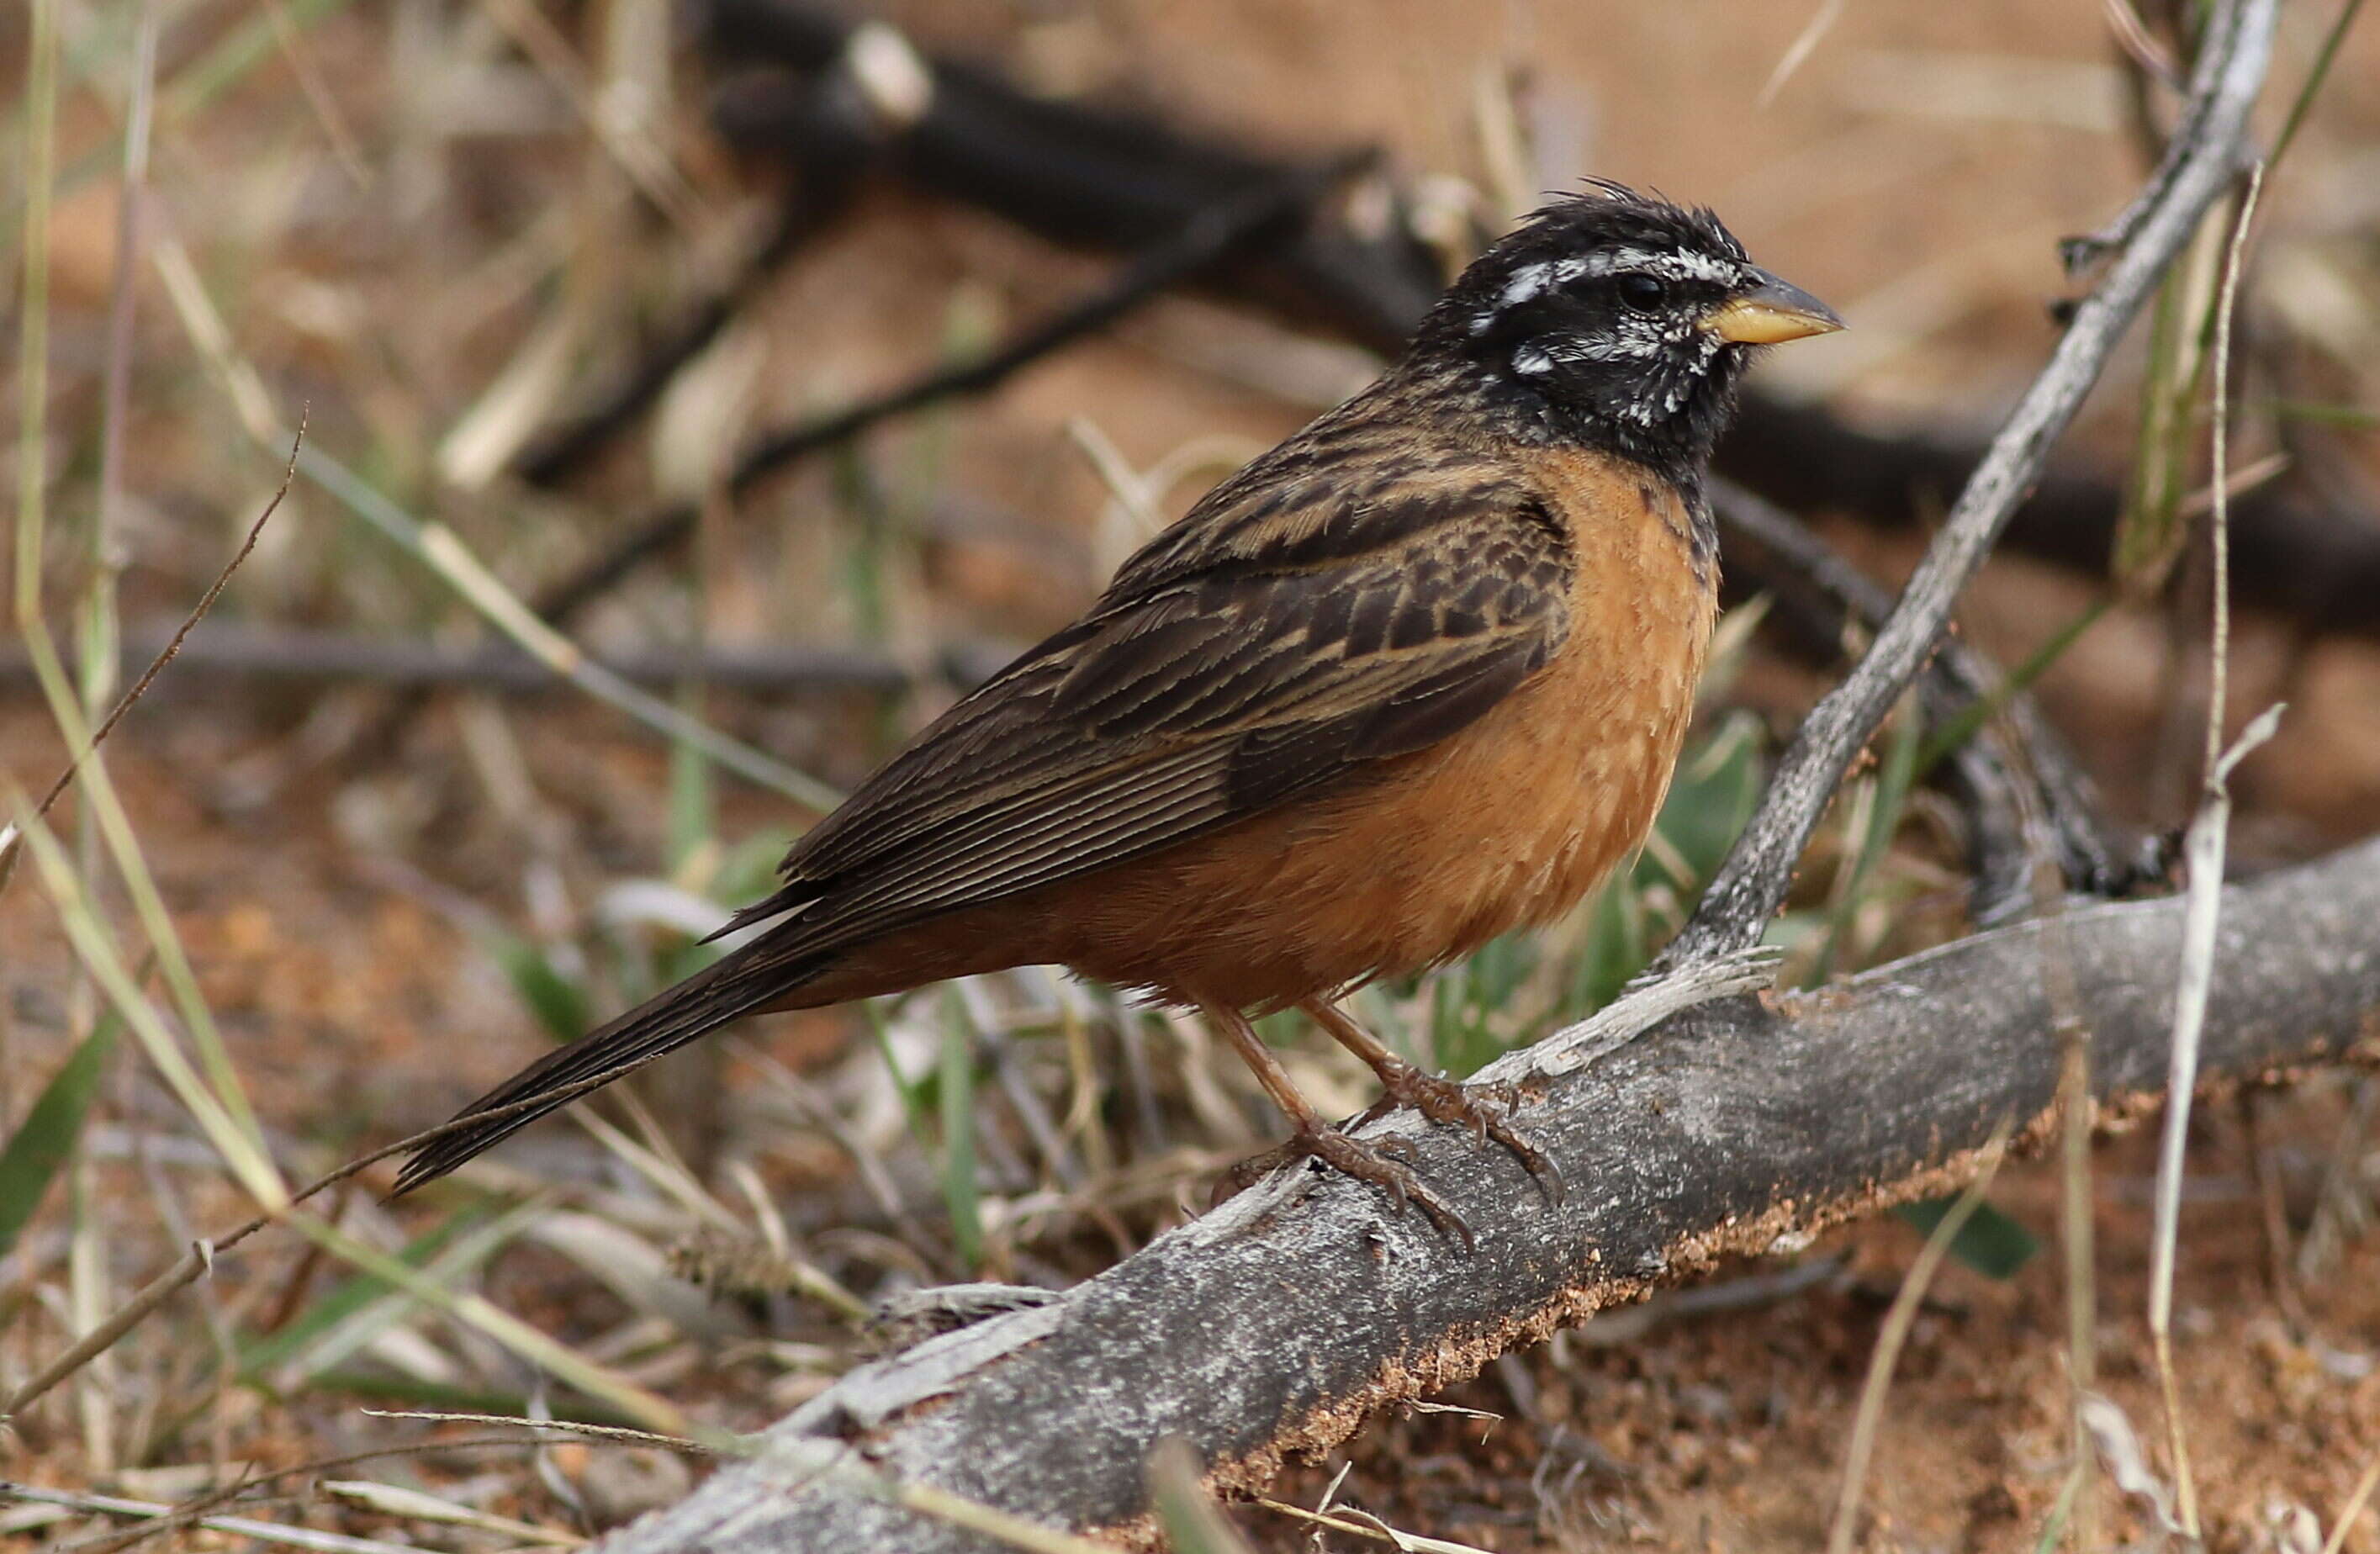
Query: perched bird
{"points": [[1415, 677]]}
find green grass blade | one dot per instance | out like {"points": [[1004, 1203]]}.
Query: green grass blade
{"points": [[957, 1096], [560, 1003], [1971, 717], [1990, 1242], [45, 1141], [352, 1297]]}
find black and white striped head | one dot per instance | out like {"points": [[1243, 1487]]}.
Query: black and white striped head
{"points": [[1619, 320]]}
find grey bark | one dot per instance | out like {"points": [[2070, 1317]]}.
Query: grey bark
{"points": [[1279, 1321], [2202, 163]]}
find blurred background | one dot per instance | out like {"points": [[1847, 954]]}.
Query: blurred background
{"points": [[799, 366]]}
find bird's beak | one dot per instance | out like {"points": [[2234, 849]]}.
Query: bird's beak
{"points": [[1773, 312]]}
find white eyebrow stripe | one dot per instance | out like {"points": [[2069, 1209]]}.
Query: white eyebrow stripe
{"points": [[1678, 264], [1532, 280]]}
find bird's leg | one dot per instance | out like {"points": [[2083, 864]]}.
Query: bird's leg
{"points": [[1315, 1137], [1485, 1109]]}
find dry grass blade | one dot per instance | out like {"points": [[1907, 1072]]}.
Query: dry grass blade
{"points": [[1370, 1527], [1897, 1323], [1797, 54], [192, 1264], [2353, 1508], [10, 835], [238, 1526], [1193, 1524], [230, 1133], [709, 1443], [537, 1348], [395, 1500], [2205, 848], [442, 550], [842, 1464], [2119, 1446]]}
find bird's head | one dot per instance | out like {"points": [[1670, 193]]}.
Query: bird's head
{"points": [[1618, 320]]}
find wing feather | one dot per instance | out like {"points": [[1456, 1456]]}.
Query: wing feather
{"points": [[1222, 675]]}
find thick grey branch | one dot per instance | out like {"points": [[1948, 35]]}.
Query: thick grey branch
{"points": [[1276, 1323], [1754, 880]]}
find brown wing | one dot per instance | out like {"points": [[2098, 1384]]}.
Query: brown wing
{"points": [[1285, 634], [1290, 632]]}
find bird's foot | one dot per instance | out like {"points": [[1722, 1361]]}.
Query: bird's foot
{"points": [[1363, 1160], [1485, 1109]]}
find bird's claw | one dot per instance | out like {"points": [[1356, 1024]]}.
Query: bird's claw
{"points": [[1365, 1160], [1485, 1109]]}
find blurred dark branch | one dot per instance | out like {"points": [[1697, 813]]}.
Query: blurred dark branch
{"points": [[296, 655], [2017, 761], [1276, 1324], [808, 211], [1207, 236], [1752, 884], [1091, 177], [1074, 173], [2294, 552]]}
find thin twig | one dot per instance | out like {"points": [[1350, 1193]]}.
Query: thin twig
{"points": [[2018, 750], [253, 651], [615, 1435], [1752, 882], [10, 836], [1797, 54]]}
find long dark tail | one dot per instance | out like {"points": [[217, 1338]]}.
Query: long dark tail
{"points": [[756, 975]]}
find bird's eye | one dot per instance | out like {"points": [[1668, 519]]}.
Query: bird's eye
{"points": [[1644, 293]]}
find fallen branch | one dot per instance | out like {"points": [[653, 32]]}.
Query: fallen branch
{"points": [[2314, 563], [1277, 1323]]}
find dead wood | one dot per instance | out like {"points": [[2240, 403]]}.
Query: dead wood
{"points": [[1277, 1323]]}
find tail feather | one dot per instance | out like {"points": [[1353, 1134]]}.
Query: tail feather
{"points": [[741, 982]]}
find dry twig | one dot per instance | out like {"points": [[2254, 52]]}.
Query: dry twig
{"points": [[10, 837]]}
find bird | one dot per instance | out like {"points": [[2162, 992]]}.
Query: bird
{"points": [[1415, 678]]}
